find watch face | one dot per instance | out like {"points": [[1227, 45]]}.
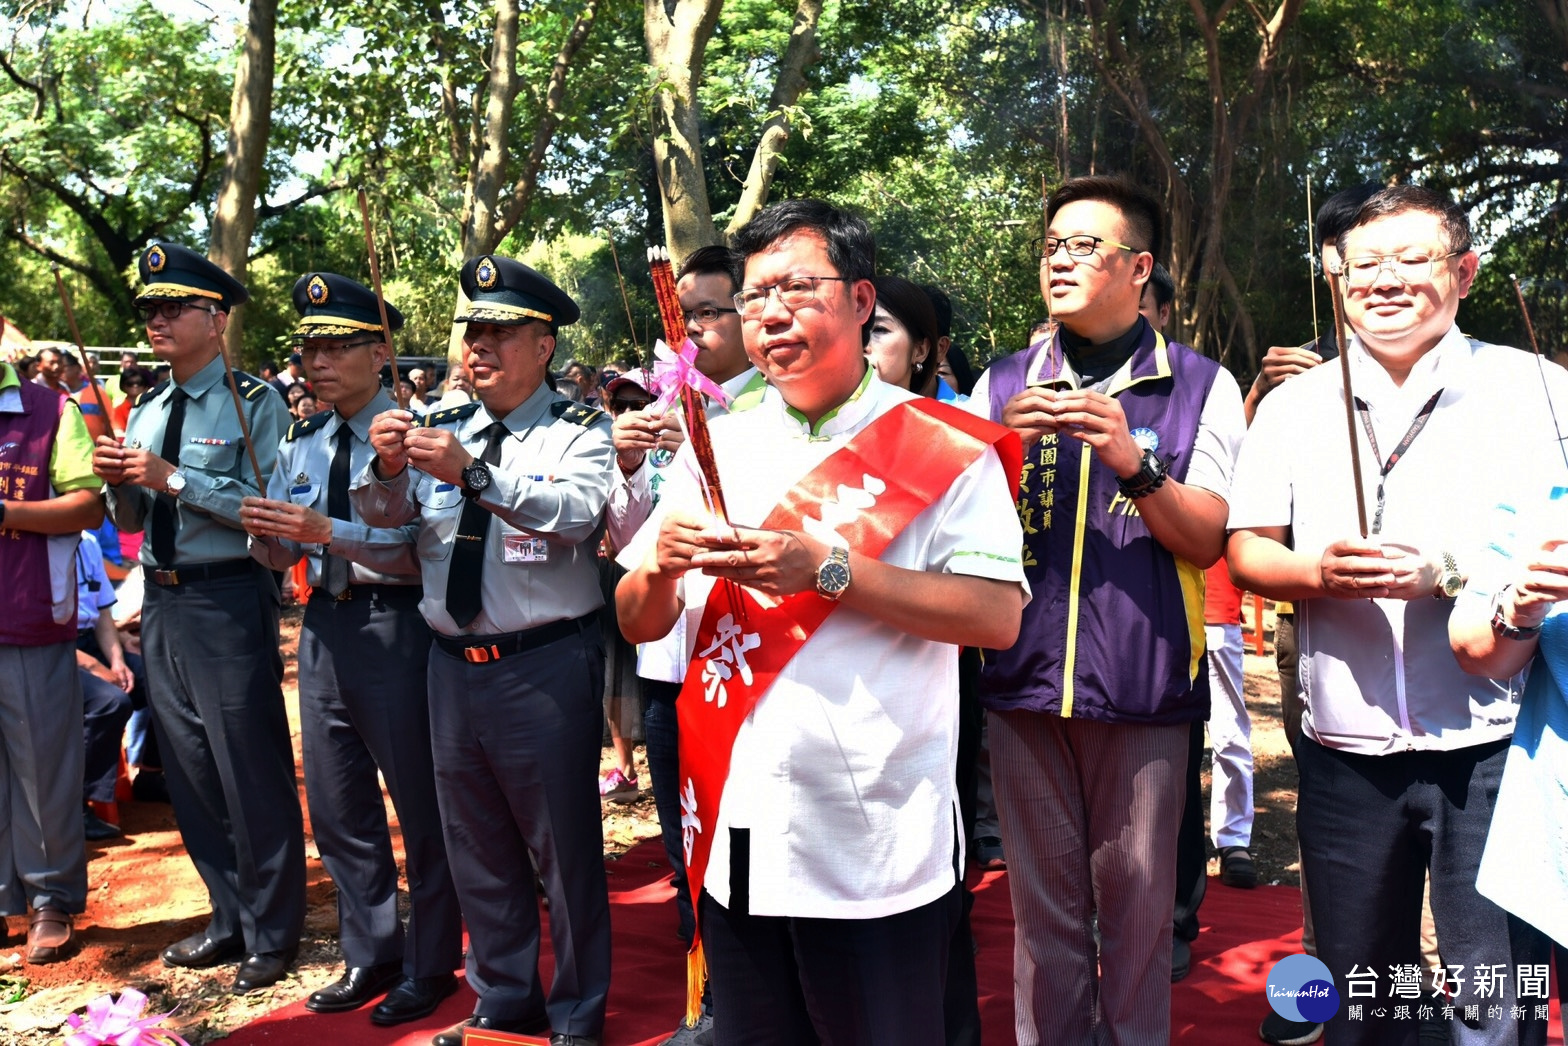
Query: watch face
{"points": [[175, 483], [476, 477], [1453, 584], [833, 577]]}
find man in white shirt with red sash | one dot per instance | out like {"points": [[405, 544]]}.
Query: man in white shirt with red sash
{"points": [[871, 537]]}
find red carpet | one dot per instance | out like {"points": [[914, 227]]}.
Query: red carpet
{"points": [[1244, 933]]}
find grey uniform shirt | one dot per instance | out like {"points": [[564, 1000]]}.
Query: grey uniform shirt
{"points": [[212, 459], [546, 501], [376, 555]]}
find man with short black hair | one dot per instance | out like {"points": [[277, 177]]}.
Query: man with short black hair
{"points": [[1400, 751], [818, 732], [1129, 445]]}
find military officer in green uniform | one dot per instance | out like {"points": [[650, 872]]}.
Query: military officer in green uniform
{"points": [[509, 495], [210, 621], [362, 661]]}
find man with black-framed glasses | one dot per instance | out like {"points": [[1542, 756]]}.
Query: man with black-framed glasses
{"points": [[363, 610], [210, 621], [1129, 442]]}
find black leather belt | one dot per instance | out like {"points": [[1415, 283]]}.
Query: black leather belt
{"points": [[479, 649], [200, 572], [389, 593]]}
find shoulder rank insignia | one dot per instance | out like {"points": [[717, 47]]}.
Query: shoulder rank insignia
{"points": [[305, 426], [250, 387], [150, 394], [575, 413], [451, 414]]}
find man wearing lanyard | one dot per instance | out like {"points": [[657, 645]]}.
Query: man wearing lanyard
{"points": [[1400, 751], [508, 494], [210, 631], [363, 653]]}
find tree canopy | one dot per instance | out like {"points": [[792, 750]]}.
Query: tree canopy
{"points": [[576, 133]]}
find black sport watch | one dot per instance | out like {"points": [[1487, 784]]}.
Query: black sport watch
{"points": [[476, 479], [1151, 476]]}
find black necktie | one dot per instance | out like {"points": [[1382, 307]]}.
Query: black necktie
{"points": [[334, 569], [163, 507], [468, 550]]}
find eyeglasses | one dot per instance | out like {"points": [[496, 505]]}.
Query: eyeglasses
{"points": [[1406, 268], [335, 350], [705, 315], [170, 310], [619, 405], [793, 293], [1077, 246]]}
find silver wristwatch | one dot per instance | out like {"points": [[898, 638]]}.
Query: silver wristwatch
{"points": [[174, 484], [833, 573]]}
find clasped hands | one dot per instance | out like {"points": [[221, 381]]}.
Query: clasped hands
{"points": [[399, 442], [1083, 414], [1366, 568], [775, 562], [1543, 583], [637, 432], [116, 464]]}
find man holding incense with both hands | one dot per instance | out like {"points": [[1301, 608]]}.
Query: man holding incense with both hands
{"points": [[819, 809]]}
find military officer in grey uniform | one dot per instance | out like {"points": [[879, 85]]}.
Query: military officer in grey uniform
{"points": [[509, 494], [210, 621], [362, 660]]}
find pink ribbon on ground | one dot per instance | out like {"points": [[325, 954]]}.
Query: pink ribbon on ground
{"points": [[119, 1022], [673, 371]]}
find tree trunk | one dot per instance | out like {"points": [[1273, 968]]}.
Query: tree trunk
{"points": [[487, 177], [250, 125], [801, 52], [677, 43]]}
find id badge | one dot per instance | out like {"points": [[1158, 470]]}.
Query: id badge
{"points": [[520, 548]]}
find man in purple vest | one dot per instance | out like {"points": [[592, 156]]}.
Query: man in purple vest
{"points": [[1129, 444], [48, 496]]}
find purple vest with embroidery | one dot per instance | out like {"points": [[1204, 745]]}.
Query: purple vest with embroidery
{"points": [[26, 440], [1114, 629]]}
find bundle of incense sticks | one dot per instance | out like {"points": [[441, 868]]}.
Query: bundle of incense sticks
{"points": [[695, 418]]}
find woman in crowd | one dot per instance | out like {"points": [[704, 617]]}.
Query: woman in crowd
{"points": [[903, 335]]}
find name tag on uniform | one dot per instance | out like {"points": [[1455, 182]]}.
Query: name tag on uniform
{"points": [[305, 489], [520, 548]]}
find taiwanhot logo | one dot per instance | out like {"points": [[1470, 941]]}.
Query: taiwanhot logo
{"points": [[1300, 988]]}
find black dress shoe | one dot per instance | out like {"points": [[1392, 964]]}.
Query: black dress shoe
{"points": [[453, 1036], [357, 986], [96, 829], [413, 998], [199, 951], [262, 969], [560, 1038]]}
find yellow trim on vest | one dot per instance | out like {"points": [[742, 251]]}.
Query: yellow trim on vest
{"points": [[177, 290], [1162, 359], [1194, 585], [1070, 662]]}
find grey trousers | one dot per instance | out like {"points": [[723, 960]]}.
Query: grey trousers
{"points": [[1089, 815], [517, 768], [214, 672], [43, 857], [362, 708]]}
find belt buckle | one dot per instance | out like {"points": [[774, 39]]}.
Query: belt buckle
{"points": [[166, 577], [478, 655]]}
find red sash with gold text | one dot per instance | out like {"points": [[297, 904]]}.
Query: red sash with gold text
{"points": [[867, 491]]}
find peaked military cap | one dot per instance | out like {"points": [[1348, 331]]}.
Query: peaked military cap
{"points": [[173, 273], [333, 306], [500, 290]]}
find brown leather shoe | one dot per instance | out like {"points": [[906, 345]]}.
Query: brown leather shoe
{"points": [[50, 935]]}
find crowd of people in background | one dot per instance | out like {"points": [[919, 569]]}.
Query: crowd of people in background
{"points": [[894, 616]]}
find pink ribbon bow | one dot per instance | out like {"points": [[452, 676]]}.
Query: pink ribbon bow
{"points": [[674, 371], [119, 1022]]}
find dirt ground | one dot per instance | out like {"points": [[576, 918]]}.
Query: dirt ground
{"points": [[145, 894]]}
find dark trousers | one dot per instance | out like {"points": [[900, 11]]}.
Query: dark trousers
{"points": [[142, 751], [961, 996], [839, 982], [662, 737], [215, 688], [105, 710], [1371, 827], [516, 745], [362, 708], [1192, 853]]}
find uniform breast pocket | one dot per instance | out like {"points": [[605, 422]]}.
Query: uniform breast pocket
{"points": [[443, 506], [304, 493], [217, 458]]}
